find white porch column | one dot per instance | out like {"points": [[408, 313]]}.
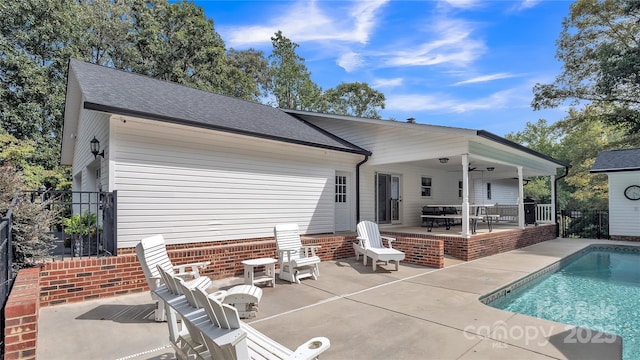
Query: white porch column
{"points": [[520, 199], [465, 196], [553, 199]]}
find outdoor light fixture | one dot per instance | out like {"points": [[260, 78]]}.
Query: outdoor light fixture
{"points": [[490, 168], [444, 160], [95, 148]]}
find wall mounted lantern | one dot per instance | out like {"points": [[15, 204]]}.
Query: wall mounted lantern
{"points": [[95, 148], [444, 160]]}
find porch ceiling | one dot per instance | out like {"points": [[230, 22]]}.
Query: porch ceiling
{"points": [[479, 166]]}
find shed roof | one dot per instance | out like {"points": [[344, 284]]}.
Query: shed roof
{"points": [[617, 160], [119, 92]]}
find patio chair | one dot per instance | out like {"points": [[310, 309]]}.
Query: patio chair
{"points": [[295, 260], [370, 245], [152, 254]]}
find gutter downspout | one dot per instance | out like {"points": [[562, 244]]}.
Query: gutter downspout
{"points": [[555, 198], [366, 158]]}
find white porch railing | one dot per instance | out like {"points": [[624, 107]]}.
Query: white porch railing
{"points": [[543, 213], [509, 212]]}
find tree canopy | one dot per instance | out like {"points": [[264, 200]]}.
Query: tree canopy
{"points": [[173, 41], [599, 49], [292, 85], [355, 99]]}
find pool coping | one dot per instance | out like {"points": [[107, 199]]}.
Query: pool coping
{"points": [[526, 279]]}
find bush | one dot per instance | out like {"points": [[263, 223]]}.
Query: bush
{"points": [[31, 223]]}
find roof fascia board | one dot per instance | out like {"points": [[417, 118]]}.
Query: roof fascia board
{"points": [[613, 170], [127, 112]]}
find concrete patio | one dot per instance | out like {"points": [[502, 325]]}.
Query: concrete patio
{"points": [[414, 313]]}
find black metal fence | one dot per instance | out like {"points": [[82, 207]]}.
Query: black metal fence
{"points": [[86, 222], [587, 224], [6, 263]]}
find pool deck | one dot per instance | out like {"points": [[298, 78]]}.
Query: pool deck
{"points": [[413, 313]]}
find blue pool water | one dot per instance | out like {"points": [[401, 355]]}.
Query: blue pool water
{"points": [[599, 290]]}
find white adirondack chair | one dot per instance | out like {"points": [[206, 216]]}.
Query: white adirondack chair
{"points": [[152, 252], [296, 261], [370, 245]]}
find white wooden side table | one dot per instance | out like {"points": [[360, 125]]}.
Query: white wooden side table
{"points": [[269, 274]]}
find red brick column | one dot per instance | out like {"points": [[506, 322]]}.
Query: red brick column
{"points": [[21, 316]]}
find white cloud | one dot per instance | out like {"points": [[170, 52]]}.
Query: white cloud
{"points": [[452, 44], [417, 102], [364, 14], [464, 4], [485, 78], [528, 4], [306, 21], [448, 104], [349, 61], [387, 83]]}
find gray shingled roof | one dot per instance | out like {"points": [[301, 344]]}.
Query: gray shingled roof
{"points": [[617, 160], [120, 92]]}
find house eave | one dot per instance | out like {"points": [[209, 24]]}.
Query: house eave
{"points": [[498, 139]]}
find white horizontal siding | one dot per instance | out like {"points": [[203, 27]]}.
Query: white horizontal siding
{"points": [[444, 190], [198, 185], [91, 124], [624, 214], [503, 191]]}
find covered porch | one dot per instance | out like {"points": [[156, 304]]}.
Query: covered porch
{"points": [[477, 185]]}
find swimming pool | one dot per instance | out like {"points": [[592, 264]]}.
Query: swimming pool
{"points": [[598, 289]]}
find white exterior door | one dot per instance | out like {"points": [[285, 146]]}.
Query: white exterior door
{"points": [[343, 202]]}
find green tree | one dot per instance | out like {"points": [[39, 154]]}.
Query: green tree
{"points": [[544, 139], [355, 99], [252, 72], [34, 38], [177, 42], [576, 140], [585, 134], [292, 85], [599, 48], [171, 41], [32, 221], [19, 154]]}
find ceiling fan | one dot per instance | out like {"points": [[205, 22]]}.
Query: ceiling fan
{"points": [[469, 169]]}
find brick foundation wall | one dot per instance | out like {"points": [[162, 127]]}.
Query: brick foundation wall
{"points": [[86, 279], [21, 316], [494, 243], [625, 238], [481, 245]]}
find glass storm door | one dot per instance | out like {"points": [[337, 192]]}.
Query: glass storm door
{"points": [[388, 199]]}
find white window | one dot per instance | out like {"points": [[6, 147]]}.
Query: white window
{"points": [[341, 189], [425, 188]]}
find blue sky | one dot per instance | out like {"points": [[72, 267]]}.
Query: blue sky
{"points": [[461, 63]]}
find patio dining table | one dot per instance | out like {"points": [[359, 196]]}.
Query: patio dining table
{"points": [[449, 213]]}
